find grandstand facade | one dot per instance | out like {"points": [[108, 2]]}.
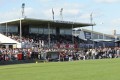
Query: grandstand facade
{"points": [[42, 32]]}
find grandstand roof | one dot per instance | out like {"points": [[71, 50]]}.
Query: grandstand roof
{"points": [[58, 23], [100, 33]]}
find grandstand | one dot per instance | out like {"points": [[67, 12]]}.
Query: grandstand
{"points": [[41, 33], [48, 40], [100, 39]]}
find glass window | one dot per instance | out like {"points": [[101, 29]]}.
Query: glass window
{"points": [[41, 30], [46, 31], [12, 29], [100, 36], [51, 31], [106, 37], [33, 30], [68, 31], [9, 29], [2, 29], [54, 31], [62, 31], [95, 36]]}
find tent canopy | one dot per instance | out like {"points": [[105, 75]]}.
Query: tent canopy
{"points": [[6, 40]]}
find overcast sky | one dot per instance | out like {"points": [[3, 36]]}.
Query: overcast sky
{"points": [[106, 13]]}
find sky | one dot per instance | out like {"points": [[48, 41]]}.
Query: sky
{"points": [[106, 13]]}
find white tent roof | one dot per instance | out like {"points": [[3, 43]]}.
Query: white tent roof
{"points": [[6, 40]]}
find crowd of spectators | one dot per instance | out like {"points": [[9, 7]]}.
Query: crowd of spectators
{"points": [[64, 54], [42, 40], [35, 49]]}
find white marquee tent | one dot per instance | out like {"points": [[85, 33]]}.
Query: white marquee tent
{"points": [[4, 40]]}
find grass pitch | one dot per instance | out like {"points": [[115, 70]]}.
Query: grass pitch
{"points": [[106, 69]]}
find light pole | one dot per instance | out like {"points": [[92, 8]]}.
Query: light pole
{"points": [[23, 12], [53, 14], [23, 15], [61, 13]]}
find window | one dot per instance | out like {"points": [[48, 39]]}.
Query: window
{"points": [[68, 31], [100, 36], [95, 36], [8, 29], [33, 30], [41, 30], [12, 29], [46, 31], [62, 31]]}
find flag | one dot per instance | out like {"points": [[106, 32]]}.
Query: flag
{"points": [[53, 13]]}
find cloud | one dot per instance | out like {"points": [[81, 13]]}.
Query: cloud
{"points": [[115, 22], [45, 1], [85, 16], [15, 14], [70, 11], [95, 15], [107, 1], [114, 25], [29, 11], [75, 5], [44, 12], [67, 13], [1, 2]]}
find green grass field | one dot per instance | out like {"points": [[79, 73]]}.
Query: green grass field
{"points": [[108, 69]]}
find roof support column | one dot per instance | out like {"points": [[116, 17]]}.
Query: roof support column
{"points": [[6, 29], [49, 35], [72, 35], [92, 36], [20, 30]]}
